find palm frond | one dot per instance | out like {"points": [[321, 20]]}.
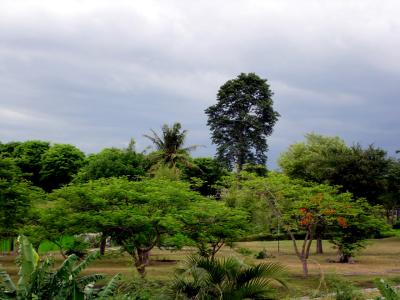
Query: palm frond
{"points": [[155, 139], [27, 261], [265, 270], [109, 289], [6, 282], [256, 289], [88, 259], [64, 271], [92, 278]]}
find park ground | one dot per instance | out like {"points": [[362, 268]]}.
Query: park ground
{"points": [[380, 259]]}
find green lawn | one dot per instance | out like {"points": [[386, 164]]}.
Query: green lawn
{"points": [[380, 259]]}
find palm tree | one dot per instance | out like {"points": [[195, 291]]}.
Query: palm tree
{"points": [[203, 278], [169, 146]]}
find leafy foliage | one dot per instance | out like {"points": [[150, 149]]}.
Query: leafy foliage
{"points": [[323, 159], [59, 164], [113, 162], [203, 174], [40, 281], [139, 215], [211, 224], [386, 290], [28, 156]]}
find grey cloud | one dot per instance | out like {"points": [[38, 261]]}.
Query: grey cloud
{"points": [[96, 73]]}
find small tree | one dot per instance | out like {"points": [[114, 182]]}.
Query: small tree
{"points": [[139, 215], [211, 224], [300, 207], [361, 222]]}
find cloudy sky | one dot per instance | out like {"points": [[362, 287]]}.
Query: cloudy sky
{"points": [[96, 73]]}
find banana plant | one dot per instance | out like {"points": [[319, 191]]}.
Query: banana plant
{"points": [[40, 281]]}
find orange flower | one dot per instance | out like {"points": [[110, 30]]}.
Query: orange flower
{"points": [[342, 222]]}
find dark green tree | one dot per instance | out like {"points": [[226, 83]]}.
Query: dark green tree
{"points": [[7, 149], [361, 171], [28, 156], [59, 164], [113, 162], [16, 197], [242, 120], [204, 174]]}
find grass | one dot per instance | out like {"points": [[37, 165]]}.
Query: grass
{"points": [[381, 259]]}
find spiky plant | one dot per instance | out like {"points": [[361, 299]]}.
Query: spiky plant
{"points": [[203, 278], [40, 281]]}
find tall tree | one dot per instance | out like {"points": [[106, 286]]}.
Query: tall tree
{"points": [[242, 120], [170, 148]]}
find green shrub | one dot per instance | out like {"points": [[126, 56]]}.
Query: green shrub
{"points": [[343, 289], [39, 280], [263, 255], [244, 251], [387, 291]]}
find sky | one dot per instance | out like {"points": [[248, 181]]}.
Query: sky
{"points": [[98, 73]]}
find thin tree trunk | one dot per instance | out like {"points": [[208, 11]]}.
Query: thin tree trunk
{"points": [[305, 267], [103, 243], [12, 246], [319, 245]]}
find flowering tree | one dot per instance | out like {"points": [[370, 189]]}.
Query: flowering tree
{"points": [[305, 207]]}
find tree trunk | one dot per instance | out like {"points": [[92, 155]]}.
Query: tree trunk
{"points": [[319, 245], [305, 267], [12, 246], [344, 258], [103, 242], [142, 261]]}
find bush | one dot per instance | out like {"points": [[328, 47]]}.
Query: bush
{"points": [[263, 255], [244, 251], [387, 291]]}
